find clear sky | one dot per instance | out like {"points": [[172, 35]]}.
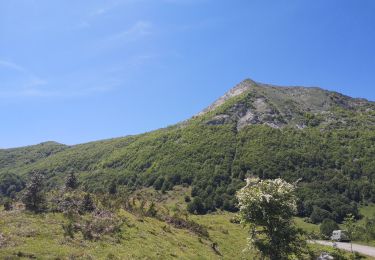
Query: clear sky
{"points": [[76, 71]]}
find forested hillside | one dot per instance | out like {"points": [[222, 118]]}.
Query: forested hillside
{"points": [[323, 139]]}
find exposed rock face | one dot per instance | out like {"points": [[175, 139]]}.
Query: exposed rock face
{"points": [[248, 118], [237, 90], [219, 120], [257, 103]]}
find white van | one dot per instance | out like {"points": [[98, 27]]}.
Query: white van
{"points": [[339, 235]]}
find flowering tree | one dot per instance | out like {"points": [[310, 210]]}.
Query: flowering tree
{"points": [[268, 207]]}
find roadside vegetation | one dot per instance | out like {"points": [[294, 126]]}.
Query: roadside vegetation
{"points": [[362, 230]]}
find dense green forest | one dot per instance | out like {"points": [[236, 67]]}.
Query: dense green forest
{"points": [[323, 140]]}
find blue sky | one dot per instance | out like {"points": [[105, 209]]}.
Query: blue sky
{"points": [[76, 71]]}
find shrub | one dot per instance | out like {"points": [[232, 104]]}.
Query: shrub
{"points": [[318, 215], [327, 227], [94, 226], [101, 223], [196, 206], [367, 229], [69, 204], [112, 189], [190, 225], [69, 228], [187, 199], [87, 204], [10, 184], [151, 211], [158, 183], [8, 205]]}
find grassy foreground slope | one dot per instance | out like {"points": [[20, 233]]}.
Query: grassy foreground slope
{"points": [[30, 236], [41, 236]]}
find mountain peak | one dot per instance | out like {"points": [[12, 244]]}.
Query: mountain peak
{"points": [[239, 89], [250, 102]]}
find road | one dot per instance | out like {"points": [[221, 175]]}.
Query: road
{"points": [[366, 250]]}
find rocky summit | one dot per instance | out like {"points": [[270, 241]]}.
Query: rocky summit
{"points": [[253, 103]]}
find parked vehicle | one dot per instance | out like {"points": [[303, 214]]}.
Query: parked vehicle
{"points": [[340, 235]]}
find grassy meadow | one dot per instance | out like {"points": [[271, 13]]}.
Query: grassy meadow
{"points": [[41, 236]]}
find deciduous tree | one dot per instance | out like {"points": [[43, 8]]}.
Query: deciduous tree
{"points": [[268, 207]]}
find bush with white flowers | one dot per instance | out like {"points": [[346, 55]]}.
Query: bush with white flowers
{"points": [[268, 206]]}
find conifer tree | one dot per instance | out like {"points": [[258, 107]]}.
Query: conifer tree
{"points": [[71, 181], [33, 197], [112, 188], [87, 204]]}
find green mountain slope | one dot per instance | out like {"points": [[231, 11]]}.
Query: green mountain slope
{"points": [[324, 138], [18, 157]]}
